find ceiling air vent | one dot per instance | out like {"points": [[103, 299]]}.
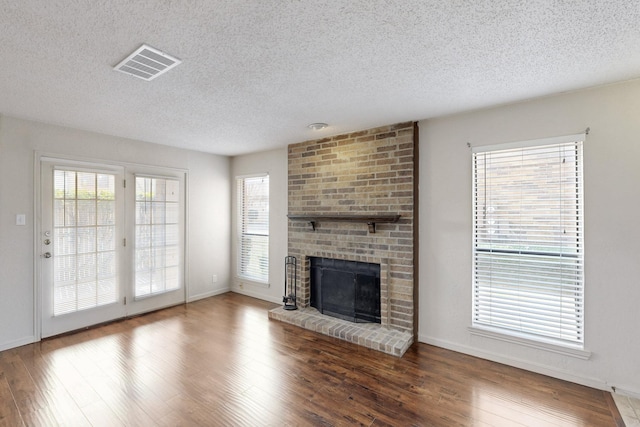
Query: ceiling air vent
{"points": [[147, 63]]}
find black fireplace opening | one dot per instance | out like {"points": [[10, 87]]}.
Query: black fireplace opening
{"points": [[348, 290]]}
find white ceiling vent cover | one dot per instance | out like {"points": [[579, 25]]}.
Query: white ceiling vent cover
{"points": [[147, 63]]}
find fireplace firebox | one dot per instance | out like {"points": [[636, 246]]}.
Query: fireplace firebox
{"points": [[349, 290]]}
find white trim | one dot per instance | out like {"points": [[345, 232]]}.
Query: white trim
{"points": [[530, 143], [517, 363], [64, 165], [275, 300], [185, 248], [209, 294], [55, 157], [153, 176], [627, 393], [37, 232], [538, 345], [77, 162], [18, 343], [145, 310]]}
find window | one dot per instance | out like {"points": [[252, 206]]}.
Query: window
{"points": [[253, 228], [84, 220], [528, 247], [157, 246]]}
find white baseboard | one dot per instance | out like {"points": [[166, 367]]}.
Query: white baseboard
{"points": [[256, 295], [628, 393], [213, 293], [17, 343], [518, 363]]}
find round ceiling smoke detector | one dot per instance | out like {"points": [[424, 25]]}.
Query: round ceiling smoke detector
{"points": [[317, 126]]}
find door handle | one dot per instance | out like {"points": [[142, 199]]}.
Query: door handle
{"points": [[47, 255]]}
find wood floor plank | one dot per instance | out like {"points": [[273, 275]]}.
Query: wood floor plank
{"points": [[221, 361], [9, 412], [100, 415]]}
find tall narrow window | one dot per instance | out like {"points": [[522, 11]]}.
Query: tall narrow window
{"points": [[253, 228], [157, 246], [528, 247]]}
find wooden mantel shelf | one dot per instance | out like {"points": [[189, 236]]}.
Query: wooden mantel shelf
{"points": [[370, 220]]}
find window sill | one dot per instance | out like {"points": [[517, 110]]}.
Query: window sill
{"points": [[547, 346]]}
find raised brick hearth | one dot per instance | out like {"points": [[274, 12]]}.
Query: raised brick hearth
{"points": [[363, 173]]}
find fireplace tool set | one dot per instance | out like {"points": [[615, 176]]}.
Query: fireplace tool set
{"points": [[290, 283]]}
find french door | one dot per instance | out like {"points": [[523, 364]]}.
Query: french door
{"points": [[157, 255], [81, 246], [108, 250]]}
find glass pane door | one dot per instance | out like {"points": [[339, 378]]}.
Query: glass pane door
{"points": [[84, 238], [81, 215], [157, 247]]}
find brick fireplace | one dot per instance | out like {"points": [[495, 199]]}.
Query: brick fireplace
{"points": [[337, 187]]}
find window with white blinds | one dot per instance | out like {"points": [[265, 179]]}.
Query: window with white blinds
{"points": [[253, 228], [158, 251], [84, 219], [528, 240]]}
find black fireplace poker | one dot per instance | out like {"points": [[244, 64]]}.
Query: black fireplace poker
{"points": [[290, 283]]}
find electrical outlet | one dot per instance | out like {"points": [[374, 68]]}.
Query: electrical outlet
{"points": [[214, 278]]}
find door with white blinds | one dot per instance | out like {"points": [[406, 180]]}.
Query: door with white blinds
{"points": [[158, 259], [81, 246]]}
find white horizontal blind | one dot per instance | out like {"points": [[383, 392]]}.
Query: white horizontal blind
{"points": [[84, 220], [158, 251], [253, 228], [528, 241]]}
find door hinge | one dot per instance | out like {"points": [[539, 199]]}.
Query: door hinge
{"points": [[125, 300], [124, 242], [124, 183]]}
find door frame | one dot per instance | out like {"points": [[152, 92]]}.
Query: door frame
{"points": [[129, 169]]}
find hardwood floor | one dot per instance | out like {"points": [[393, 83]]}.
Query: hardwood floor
{"points": [[220, 361]]}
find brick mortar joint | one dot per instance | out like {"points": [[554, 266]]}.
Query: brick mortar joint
{"points": [[353, 154]]}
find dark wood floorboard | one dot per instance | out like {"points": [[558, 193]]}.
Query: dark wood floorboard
{"points": [[222, 362]]}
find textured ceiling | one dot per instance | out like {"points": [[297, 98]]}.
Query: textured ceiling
{"points": [[255, 73]]}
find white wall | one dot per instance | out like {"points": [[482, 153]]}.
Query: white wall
{"points": [[275, 163], [612, 203], [612, 233], [208, 203], [209, 225]]}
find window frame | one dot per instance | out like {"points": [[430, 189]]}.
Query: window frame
{"points": [[241, 266], [487, 329]]}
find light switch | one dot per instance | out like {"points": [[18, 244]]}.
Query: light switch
{"points": [[21, 219]]}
